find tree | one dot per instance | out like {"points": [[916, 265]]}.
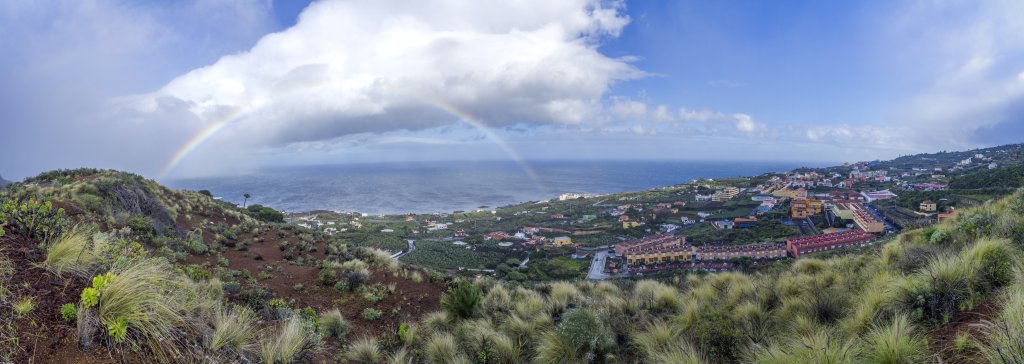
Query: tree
{"points": [[247, 197]]}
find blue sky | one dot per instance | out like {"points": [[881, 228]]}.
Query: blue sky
{"points": [[201, 87]]}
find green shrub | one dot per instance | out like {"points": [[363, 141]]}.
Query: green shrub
{"points": [[371, 313], [24, 306], [994, 260], [588, 332], [68, 312], [463, 301]]}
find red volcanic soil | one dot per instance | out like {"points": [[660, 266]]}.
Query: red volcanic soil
{"points": [[43, 337], [970, 322], [409, 302]]}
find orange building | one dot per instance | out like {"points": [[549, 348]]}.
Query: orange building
{"points": [[804, 207]]}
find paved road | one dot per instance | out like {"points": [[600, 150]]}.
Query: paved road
{"points": [[523, 264], [597, 266], [412, 247]]}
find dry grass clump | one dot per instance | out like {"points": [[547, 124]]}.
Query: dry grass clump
{"points": [[141, 307], [364, 351], [821, 346], [73, 252], [1004, 335], [234, 330], [441, 348], [284, 347], [895, 343]]}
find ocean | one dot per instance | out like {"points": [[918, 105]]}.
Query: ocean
{"points": [[428, 187]]}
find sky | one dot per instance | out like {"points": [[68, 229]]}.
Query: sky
{"points": [[221, 87]]}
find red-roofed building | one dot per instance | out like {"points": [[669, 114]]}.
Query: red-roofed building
{"points": [[811, 244]]}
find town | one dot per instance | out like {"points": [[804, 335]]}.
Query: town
{"points": [[701, 225]]}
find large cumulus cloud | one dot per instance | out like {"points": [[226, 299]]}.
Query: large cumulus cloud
{"points": [[350, 67]]}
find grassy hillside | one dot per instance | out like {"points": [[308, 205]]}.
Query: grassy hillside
{"points": [[1005, 177], [100, 266], [140, 273]]}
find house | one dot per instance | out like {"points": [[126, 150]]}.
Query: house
{"points": [[561, 241], [623, 218], [497, 235], [878, 195], [744, 222], [666, 205], [460, 233], [630, 224], [679, 203], [723, 224], [928, 206], [557, 216], [686, 220], [947, 215]]}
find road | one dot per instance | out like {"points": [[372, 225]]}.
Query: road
{"points": [[412, 247], [597, 266], [523, 264]]}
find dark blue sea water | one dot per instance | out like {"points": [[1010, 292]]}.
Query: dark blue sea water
{"points": [[426, 187]]}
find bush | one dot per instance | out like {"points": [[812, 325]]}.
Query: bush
{"points": [[994, 260], [463, 301], [587, 332], [264, 213], [371, 313]]}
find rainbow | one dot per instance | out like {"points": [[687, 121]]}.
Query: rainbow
{"points": [[222, 121], [215, 125], [476, 123]]}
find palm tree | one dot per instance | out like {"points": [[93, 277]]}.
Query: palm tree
{"points": [[247, 197]]}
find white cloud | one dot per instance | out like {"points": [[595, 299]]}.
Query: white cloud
{"points": [[352, 67]]}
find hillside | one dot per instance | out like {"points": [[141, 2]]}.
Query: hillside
{"points": [[237, 275], [4, 182], [1004, 177], [105, 266]]}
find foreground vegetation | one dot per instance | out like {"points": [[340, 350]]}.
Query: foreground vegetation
{"points": [[118, 288]]}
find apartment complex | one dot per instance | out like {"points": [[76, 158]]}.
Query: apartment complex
{"points": [[804, 207], [725, 194], [666, 248], [811, 244]]}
